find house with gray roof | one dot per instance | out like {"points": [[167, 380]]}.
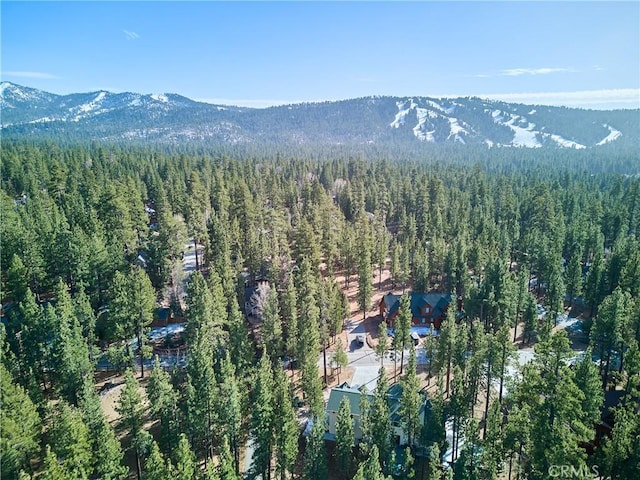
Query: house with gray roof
{"points": [[354, 397]]}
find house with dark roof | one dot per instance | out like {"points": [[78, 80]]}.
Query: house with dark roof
{"points": [[354, 396], [427, 309]]}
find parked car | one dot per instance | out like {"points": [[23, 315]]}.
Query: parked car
{"points": [[360, 340]]}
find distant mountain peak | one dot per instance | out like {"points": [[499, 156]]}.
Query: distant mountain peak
{"points": [[172, 118]]}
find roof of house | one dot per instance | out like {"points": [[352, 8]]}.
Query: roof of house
{"points": [[394, 394], [437, 301], [611, 399], [345, 391]]}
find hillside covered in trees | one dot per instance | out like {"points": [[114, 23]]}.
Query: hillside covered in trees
{"points": [[383, 121], [92, 241]]}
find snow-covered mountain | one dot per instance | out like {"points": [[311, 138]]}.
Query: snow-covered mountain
{"points": [[373, 120]]}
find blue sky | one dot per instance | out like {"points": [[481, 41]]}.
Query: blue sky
{"points": [[583, 54]]}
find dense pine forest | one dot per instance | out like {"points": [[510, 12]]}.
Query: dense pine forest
{"points": [[287, 249]]}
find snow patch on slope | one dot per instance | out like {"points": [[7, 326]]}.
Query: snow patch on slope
{"points": [[497, 116], [435, 105], [563, 142], [44, 120], [613, 135], [3, 87], [524, 136], [16, 91], [523, 130], [402, 113], [423, 114], [456, 129], [160, 97], [93, 104]]}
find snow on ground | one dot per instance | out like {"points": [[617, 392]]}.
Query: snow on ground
{"points": [[160, 97], [447, 458], [524, 137], [424, 331], [456, 129], [93, 104], [402, 113], [451, 109], [16, 91], [189, 260], [43, 120], [421, 356], [435, 105], [497, 116], [613, 135], [423, 114], [157, 333], [563, 142]]}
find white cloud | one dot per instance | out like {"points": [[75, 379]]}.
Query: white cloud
{"points": [[38, 75], [598, 99], [256, 103], [515, 72], [130, 35]]}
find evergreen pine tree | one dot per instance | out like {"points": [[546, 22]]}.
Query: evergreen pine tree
{"points": [[155, 467], [315, 457], [262, 431], [130, 409], [70, 350], [345, 439], [54, 469], [71, 442], [185, 460], [410, 400], [365, 273], [434, 468], [107, 461], [339, 358], [379, 418], [226, 470], [229, 408], [163, 401], [383, 341], [285, 427], [402, 328], [20, 426]]}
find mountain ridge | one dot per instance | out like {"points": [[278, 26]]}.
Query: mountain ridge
{"points": [[173, 118]]}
